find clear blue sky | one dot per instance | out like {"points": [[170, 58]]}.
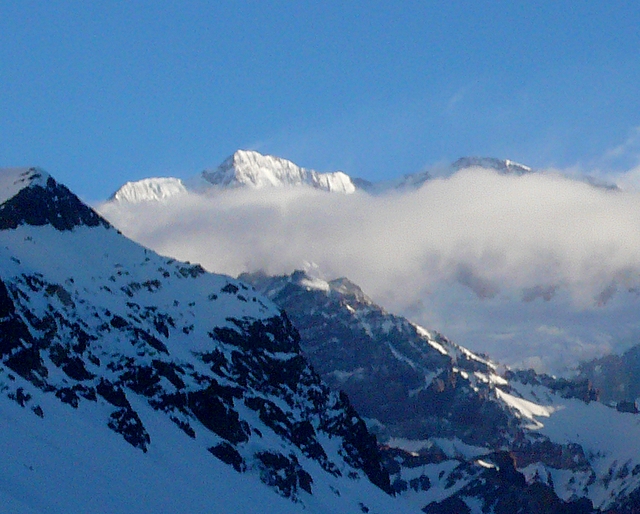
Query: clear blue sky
{"points": [[103, 92]]}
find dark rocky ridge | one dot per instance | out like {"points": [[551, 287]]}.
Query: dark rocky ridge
{"points": [[617, 377], [502, 166], [53, 205], [392, 372], [417, 385]]}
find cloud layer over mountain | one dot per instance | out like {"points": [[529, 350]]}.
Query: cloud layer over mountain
{"points": [[525, 268]]}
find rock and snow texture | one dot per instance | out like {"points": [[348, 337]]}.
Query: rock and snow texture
{"points": [[32, 197], [401, 377], [503, 166], [194, 382], [13, 180], [451, 419], [130, 382]]}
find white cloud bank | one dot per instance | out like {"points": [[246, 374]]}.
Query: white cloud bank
{"points": [[543, 254]]}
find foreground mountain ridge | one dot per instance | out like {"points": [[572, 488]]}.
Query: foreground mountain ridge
{"points": [[106, 343]]}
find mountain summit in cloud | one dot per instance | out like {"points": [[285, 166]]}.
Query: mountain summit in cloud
{"points": [[149, 189], [535, 268], [243, 169], [251, 169], [503, 166]]}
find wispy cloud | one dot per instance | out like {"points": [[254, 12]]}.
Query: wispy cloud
{"points": [[456, 99], [458, 255], [629, 149]]}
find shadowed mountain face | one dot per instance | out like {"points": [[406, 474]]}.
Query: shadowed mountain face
{"points": [[99, 327], [617, 377], [447, 415], [503, 166], [411, 383], [45, 203]]}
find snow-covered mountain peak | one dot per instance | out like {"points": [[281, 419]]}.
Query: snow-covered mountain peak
{"points": [[245, 168], [149, 189], [14, 180], [250, 168], [343, 286], [30, 196]]}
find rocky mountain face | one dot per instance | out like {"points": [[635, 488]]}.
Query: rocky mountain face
{"points": [[402, 377], [617, 377], [459, 431], [166, 358], [502, 166]]}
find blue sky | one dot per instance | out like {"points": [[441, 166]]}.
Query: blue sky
{"points": [[99, 93]]}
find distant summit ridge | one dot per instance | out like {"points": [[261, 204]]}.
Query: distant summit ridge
{"points": [[245, 168], [250, 168], [149, 189], [502, 166]]}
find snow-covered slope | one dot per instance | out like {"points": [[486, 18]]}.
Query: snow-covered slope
{"points": [[448, 414], [69, 461], [130, 382], [149, 189], [248, 168], [244, 168], [252, 169]]}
